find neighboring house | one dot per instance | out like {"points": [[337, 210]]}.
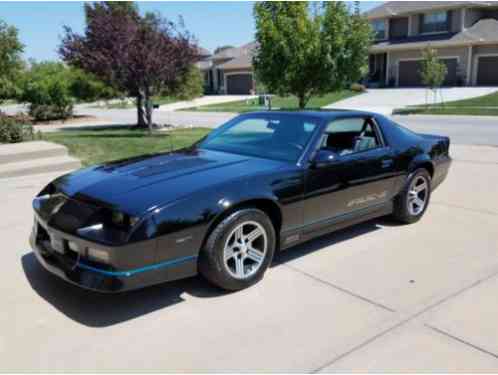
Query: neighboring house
{"points": [[464, 33], [204, 63], [230, 71]]}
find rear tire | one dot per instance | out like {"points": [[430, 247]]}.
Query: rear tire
{"points": [[411, 203], [239, 250]]}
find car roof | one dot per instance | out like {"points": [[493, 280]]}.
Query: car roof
{"points": [[323, 114]]}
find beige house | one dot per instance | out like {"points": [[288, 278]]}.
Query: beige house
{"points": [[464, 33], [230, 71]]}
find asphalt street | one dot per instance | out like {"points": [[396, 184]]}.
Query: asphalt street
{"points": [[478, 130], [473, 130]]}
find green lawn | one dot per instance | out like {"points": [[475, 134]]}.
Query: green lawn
{"points": [[97, 146], [9, 102], [278, 102], [486, 105]]}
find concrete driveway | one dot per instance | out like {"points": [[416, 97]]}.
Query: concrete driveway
{"points": [[386, 100], [376, 297]]}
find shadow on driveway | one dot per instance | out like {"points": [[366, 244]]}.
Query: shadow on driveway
{"points": [[102, 310]]}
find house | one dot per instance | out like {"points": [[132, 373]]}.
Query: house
{"points": [[230, 71], [464, 34]]}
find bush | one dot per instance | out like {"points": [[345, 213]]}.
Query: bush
{"points": [[13, 130], [358, 87], [42, 112], [46, 87], [86, 87], [192, 85]]}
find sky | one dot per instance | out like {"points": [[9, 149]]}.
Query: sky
{"points": [[213, 23]]}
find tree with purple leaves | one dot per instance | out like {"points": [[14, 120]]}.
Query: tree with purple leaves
{"points": [[141, 55]]}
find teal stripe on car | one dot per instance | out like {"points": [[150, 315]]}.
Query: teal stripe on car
{"points": [[168, 263]]}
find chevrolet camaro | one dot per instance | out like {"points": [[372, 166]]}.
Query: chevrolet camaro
{"points": [[261, 183]]}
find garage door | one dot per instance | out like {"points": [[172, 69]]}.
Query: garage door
{"points": [[239, 84], [487, 71], [409, 73]]}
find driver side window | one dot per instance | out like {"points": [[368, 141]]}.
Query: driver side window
{"points": [[351, 135]]}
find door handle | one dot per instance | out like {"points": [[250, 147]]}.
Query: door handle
{"points": [[386, 163]]}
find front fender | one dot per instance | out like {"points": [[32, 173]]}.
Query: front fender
{"points": [[181, 226]]}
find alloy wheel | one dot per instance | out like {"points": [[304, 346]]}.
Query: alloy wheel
{"points": [[417, 195], [245, 249]]}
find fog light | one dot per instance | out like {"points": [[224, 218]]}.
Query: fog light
{"points": [[98, 255]]}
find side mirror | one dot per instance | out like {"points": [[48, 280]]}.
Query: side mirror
{"points": [[324, 158]]}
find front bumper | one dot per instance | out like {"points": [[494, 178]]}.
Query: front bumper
{"points": [[99, 278]]}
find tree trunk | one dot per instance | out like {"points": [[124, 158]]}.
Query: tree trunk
{"points": [[302, 101], [148, 110], [140, 111]]}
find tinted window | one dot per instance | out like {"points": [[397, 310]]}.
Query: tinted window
{"points": [[351, 135], [280, 137]]}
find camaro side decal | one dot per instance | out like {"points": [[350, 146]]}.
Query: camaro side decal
{"points": [[366, 199]]}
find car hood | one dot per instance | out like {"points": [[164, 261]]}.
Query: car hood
{"points": [[139, 184]]}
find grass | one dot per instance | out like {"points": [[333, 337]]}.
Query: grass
{"points": [[486, 105], [98, 146], [278, 102], [9, 102]]}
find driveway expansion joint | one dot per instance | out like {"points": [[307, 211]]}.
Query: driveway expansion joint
{"points": [[317, 279], [401, 318], [444, 333], [485, 212]]}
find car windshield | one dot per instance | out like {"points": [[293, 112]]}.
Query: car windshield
{"points": [[279, 137]]}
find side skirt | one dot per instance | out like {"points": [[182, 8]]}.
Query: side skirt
{"points": [[305, 233]]}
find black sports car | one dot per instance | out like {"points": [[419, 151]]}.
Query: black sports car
{"points": [[260, 183]]}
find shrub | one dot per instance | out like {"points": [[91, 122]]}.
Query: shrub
{"points": [[46, 87], [86, 87], [192, 85], [13, 130], [358, 87]]}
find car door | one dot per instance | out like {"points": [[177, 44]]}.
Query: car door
{"points": [[361, 175]]}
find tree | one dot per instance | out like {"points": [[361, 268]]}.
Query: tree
{"points": [[222, 48], [307, 53], [433, 71], [192, 85], [46, 86], [87, 88], [139, 55], [11, 63]]}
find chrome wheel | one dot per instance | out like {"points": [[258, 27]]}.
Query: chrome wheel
{"points": [[417, 195], [245, 249]]}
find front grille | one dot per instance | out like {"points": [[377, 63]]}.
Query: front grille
{"points": [[68, 260]]}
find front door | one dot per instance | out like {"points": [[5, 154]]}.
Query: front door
{"points": [[360, 177]]}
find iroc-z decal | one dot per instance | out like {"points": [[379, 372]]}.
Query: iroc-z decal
{"points": [[367, 198]]}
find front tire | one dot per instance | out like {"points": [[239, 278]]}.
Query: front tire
{"points": [[411, 203], [239, 250]]}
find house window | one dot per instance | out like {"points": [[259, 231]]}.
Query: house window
{"points": [[379, 28], [435, 22]]}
